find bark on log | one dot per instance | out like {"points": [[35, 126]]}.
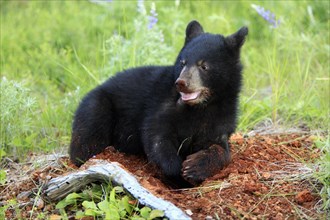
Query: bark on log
{"points": [[104, 171]]}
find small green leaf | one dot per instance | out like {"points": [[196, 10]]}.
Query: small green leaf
{"points": [[2, 153], [125, 204], [89, 205], [93, 212], [145, 211], [112, 213], [80, 214], [17, 141], [155, 214], [104, 205], [135, 217], [122, 213], [68, 200], [73, 196], [29, 139], [119, 189], [62, 204], [113, 195], [3, 177]]}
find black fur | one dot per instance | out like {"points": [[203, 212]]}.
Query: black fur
{"points": [[154, 109]]}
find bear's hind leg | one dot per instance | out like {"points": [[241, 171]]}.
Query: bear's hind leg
{"points": [[92, 127]]}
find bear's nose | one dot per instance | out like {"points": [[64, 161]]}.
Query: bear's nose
{"points": [[181, 84]]}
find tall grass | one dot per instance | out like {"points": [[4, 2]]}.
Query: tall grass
{"points": [[61, 50]]}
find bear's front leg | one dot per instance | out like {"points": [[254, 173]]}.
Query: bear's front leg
{"points": [[160, 150], [205, 163], [164, 154]]}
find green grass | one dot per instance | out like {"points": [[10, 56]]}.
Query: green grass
{"points": [[56, 51], [61, 50]]}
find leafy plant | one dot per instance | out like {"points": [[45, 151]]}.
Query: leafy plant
{"points": [[10, 204], [3, 174], [106, 202], [322, 172], [17, 109], [3, 177]]}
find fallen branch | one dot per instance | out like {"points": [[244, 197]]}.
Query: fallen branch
{"points": [[59, 187]]}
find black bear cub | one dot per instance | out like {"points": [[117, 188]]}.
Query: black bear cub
{"points": [[179, 116]]}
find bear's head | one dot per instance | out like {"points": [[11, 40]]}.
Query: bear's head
{"points": [[208, 67]]}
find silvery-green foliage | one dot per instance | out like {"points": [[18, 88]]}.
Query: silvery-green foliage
{"points": [[17, 109], [145, 46]]}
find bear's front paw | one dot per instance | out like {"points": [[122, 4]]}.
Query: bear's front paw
{"points": [[195, 169]]}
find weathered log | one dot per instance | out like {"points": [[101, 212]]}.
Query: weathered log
{"points": [[104, 171]]}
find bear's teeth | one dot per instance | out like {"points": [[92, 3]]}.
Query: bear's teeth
{"points": [[189, 96]]}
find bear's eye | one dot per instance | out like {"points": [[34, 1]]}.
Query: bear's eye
{"points": [[183, 62], [204, 67]]}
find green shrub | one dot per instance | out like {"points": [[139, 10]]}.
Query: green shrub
{"points": [[322, 172], [18, 108], [105, 202]]}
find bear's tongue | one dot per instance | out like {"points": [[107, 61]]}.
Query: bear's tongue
{"points": [[189, 96]]}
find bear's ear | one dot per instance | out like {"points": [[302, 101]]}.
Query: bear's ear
{"points": [[193, 30], [237, 39]]}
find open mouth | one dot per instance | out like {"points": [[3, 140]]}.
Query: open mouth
{"points": [[189, 96]]}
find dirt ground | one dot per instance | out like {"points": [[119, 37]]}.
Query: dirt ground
{"points": [[267, 179]]}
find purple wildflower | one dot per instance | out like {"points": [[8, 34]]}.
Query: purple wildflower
{"points": [[153, 17], [267, 15]]}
